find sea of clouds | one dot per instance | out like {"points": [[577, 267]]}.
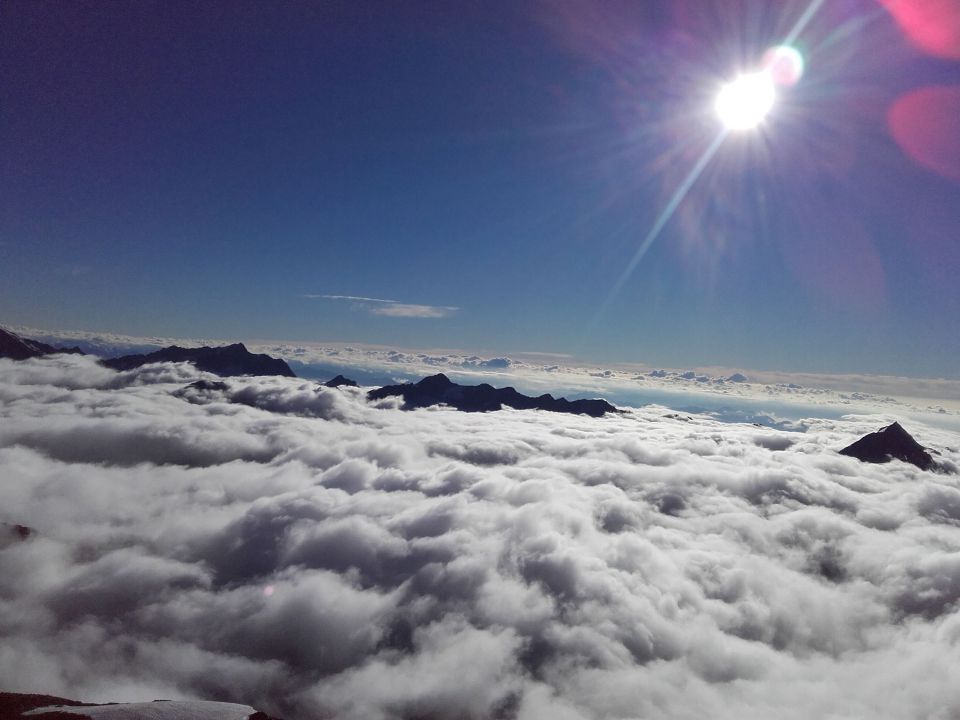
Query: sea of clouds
{"points": [[303, 551], [776, 399]]}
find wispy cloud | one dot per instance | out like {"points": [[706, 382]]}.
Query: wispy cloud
{"points": [[355, 298], [414, 311], [391, 308]]}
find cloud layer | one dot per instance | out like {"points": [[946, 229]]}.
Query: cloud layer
{"points": [[756, 396], [299, 550]]}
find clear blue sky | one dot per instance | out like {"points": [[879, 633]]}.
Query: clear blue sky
{"points": [[198, 169]]}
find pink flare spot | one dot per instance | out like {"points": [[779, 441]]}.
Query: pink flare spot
{"points": [[784, 64], [268, 590], [926, 125], [931, 25]]}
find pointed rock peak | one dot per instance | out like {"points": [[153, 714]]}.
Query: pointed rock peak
{"points": [[340, 381], [896, 434], [890, 443]]}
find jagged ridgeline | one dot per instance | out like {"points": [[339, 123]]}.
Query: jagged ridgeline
{"points": [[226, 361], [439, 389]]}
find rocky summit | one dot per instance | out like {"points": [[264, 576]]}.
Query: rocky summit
{"points": [[440, 390], [890, 443]]}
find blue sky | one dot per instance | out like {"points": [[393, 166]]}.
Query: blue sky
{"points": [[223, 169]]}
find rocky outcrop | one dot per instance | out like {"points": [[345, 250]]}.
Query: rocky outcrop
{"points": [[440, 390], [890, 443], [226, 361]]}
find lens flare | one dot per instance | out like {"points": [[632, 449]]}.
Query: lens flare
{"points": [[785, 65], [743, 103], [931, 25], [926, 125]]}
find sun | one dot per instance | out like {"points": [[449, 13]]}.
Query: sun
{"points": [[744, 103]]}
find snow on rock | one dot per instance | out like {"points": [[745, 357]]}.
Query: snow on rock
{"points": [[157, 710]]}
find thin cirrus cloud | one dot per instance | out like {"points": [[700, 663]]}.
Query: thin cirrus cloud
{"points": [[390, 308], [298, 549]]}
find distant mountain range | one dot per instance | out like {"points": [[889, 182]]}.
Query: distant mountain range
{"points": [[439, 389], [891, 442], [226, 361], [235, 360]]}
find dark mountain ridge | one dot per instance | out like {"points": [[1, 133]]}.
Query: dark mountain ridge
{"points": [[19, 348], [439, 389], [226, 361]]}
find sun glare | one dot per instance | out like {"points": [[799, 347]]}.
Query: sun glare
{"points": [[743, 103]]}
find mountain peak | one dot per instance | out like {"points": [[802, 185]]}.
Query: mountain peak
{"points": [[890, 443], [340, 381], [435, 383], [895, 430]]}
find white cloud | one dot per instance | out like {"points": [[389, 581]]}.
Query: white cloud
{"points": [[295, 549], [357, 298], [391, 308], [414, 311]]}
